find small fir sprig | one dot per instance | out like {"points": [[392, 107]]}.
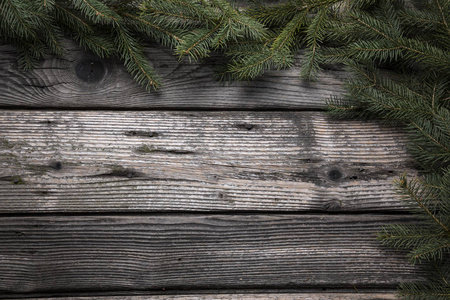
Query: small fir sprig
{"points": [[107, 28]]}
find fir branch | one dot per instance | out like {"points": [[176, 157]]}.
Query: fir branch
{"points": [[369, 22], [444, 20], [423, 291], [274, 15], [407, 236], [193, 9], [134, 59], [97, 11], [152, 11], [197, 44], [30, 54], [17, 17], [249, 67], [52, 35], [412, 190], [442, 275], [146, 27], [431, 137], [288, 35], [99, 45], [315, 35], [48, 4], [430, 251], [425, 53], [70, 19], [416, 18]]}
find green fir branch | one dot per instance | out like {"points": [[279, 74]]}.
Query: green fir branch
{"points": [[134, 59], [314, 37], [421, 196], [97, 11]]}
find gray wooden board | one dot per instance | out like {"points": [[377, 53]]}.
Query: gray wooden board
{"points": [[274, 296], [55, 83], [173, 252], [106, 161]]}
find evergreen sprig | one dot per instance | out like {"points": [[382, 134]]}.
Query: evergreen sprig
{"points": [[399, 57], [107, 28], [292, 25], [205, 26]]}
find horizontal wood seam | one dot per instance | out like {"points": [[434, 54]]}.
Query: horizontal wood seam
{"points": [[204, 213], [162, 109]]}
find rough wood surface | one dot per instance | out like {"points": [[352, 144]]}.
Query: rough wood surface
{"points": [[173, 252], [275, 296], [63, 83], [91, 161]]}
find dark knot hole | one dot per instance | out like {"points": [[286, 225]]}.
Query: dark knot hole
{"points": [[90, 70]]}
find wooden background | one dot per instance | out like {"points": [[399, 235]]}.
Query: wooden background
{"points": [[202, 190]]}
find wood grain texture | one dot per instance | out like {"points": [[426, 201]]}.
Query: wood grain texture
{"points": [[55, 83], [176, 252], [81, 161], [274, 296]]}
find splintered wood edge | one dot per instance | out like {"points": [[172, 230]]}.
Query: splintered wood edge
{"points": [[104, 161], [63, 83], [178, 252]]}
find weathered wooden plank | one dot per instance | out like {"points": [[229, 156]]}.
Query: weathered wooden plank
{"points": [[80, 161], [173, 252], [63, 83], [267, 296]]}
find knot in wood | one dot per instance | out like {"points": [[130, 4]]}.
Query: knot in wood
{"points": [[249, 126], [90, 70], [334, 174], [57, 165], [333, 206]]}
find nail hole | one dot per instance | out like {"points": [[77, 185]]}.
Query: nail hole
{"points": [[57, 165], [246, 126], [18, 180]]}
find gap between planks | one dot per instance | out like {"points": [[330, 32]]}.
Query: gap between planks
{"points": [[255, 296]]}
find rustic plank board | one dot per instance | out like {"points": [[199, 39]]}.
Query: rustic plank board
{"points": [[267, 296], [55, 83], [176, 252], [104, 161]]}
